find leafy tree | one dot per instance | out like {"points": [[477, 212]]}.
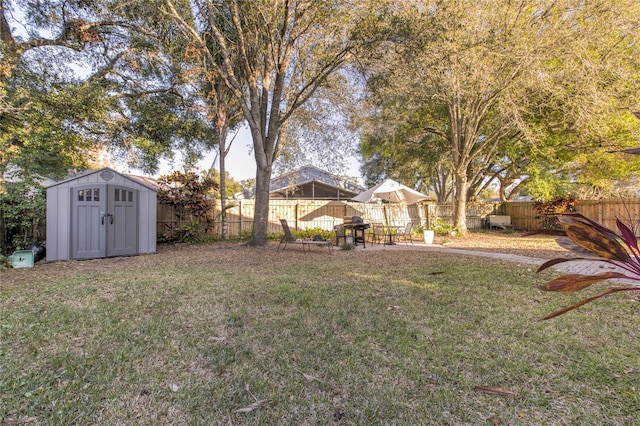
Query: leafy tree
{"points": [[489, 76], [223, 109], [41, 107], [547, 186], [158, 106], [319, 132], [78, 77], [398, 153], [23, 206], [275, 55], [246, 184], [232, 186], [227, 115]]}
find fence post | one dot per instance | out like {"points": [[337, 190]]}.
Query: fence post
{"points": [[601, 218], [426, 214], [421, 215]]}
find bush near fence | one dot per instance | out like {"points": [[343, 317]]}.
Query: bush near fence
{"points": [[605, 212]]}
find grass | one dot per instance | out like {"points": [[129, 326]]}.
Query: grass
{"points": [[227, 335]]}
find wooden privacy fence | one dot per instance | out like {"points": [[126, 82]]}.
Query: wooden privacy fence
{"points": [[605, 212], [324, 214], [304, 214]]}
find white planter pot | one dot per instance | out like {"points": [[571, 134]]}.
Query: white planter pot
{"points": [[428, 236]]}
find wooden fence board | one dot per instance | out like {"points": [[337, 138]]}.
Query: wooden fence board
{"points": [[305, 214], [524, 218]]}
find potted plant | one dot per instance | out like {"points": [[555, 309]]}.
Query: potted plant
{"points": [[427, 234]]}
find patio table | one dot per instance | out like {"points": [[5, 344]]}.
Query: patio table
{"points": [[391, 231]]}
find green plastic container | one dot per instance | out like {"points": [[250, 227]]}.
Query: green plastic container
{"points": [[21, 259]]}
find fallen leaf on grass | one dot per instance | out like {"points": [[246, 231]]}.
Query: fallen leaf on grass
{"points": [[254, 406], [24, 420], [393, 308], [309, 378], [496, 390]]}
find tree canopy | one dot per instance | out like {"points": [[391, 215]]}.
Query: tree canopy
{"points": [[81, 77], [451, 95], [503, 86]]}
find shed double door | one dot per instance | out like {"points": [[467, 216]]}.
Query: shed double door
{"points": [[104, 221]]}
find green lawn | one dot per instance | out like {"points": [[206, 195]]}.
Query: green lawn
{"points": [[224, 334]]}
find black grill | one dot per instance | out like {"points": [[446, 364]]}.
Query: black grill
{"points": [[354, 227], [352, 220]]}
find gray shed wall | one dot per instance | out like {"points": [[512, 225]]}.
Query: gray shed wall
{"points": [[59, 213]]}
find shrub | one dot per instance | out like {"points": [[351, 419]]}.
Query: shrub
{"points": [[439, 226], [547, 211], [23, 207], [188, 194], [312, 232]]}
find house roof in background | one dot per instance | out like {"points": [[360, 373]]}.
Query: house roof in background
{"points": [[308, 182]]}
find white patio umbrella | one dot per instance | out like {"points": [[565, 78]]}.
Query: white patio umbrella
{"points": [[391, 191]]}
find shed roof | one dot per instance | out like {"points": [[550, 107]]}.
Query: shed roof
{"points": [[147, 182]]}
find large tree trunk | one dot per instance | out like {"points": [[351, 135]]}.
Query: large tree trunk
{"points": [[261, 212], [460, 203], [223, 199], [265, 142], [223, 131]]}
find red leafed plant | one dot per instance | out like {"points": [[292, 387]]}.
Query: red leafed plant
{"points": [[548, 210], [189, 195], [593, 241]]}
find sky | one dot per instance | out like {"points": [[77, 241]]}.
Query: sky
{"points": [[240, 162]]}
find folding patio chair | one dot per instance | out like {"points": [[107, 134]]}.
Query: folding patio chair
{"points": [[406, 233], [378, 235]]}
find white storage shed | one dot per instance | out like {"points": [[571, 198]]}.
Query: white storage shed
{"points": [[101, 213]]}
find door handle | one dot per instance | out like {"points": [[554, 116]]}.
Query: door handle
{"points": [[109, 215]]}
